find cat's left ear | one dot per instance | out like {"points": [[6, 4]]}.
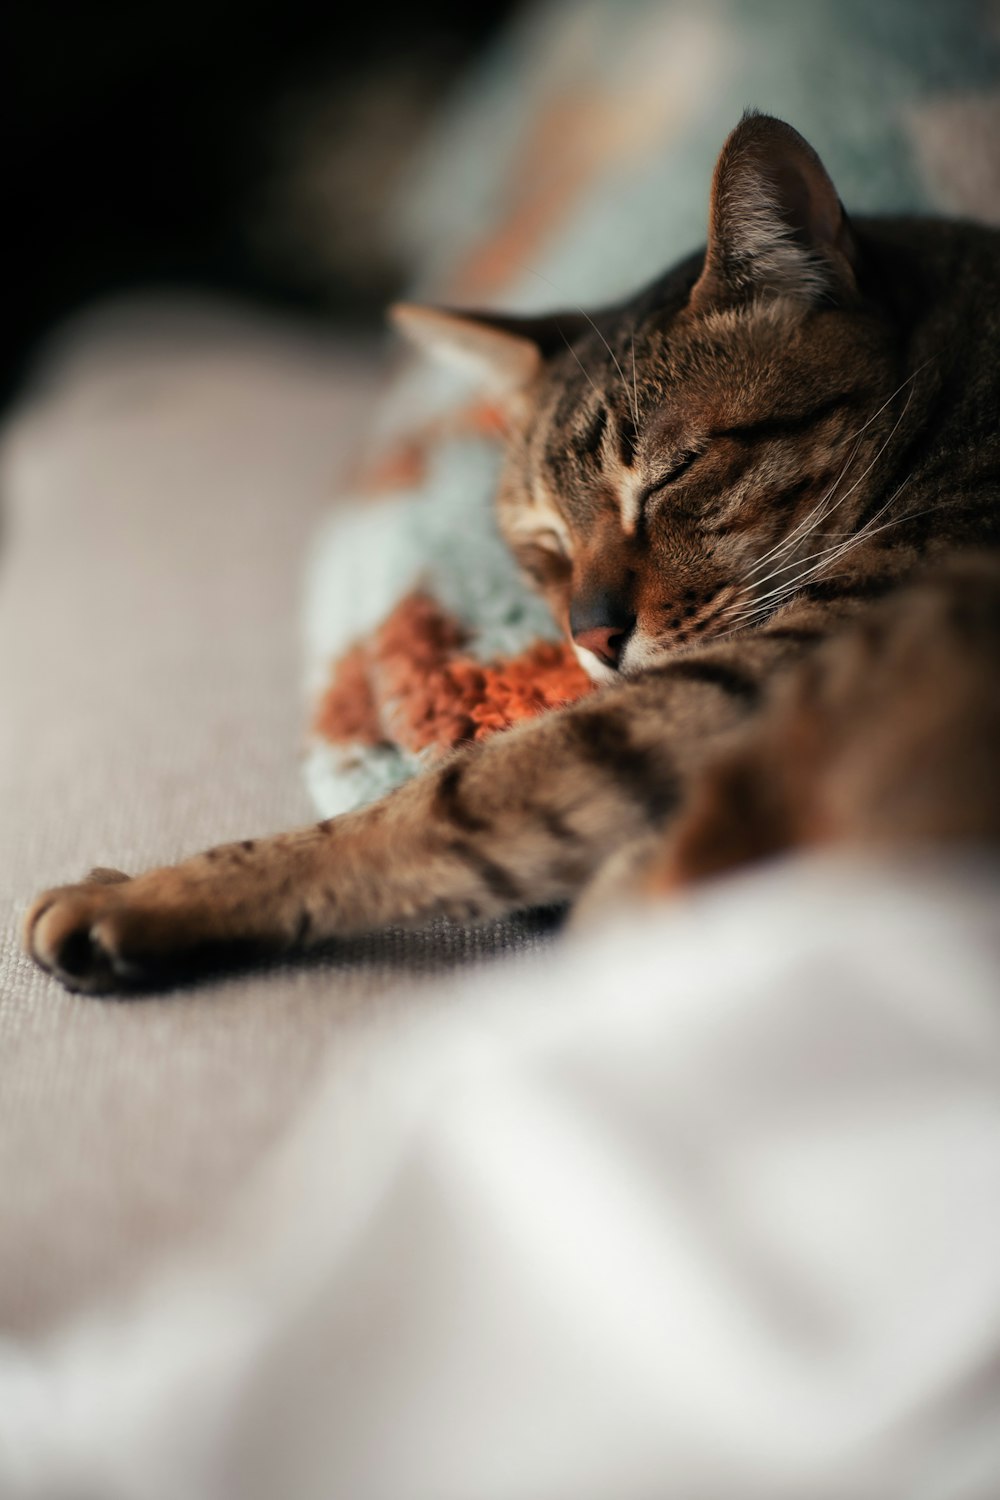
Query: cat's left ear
{"points": [[776, 224], [505, 353]]}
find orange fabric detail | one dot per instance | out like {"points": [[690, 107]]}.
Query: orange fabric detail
{"points": [[546, 675], [404, 464], [577, 136], [560, 156], [401, 468], [347, 713], [416, 687], [484, 417]]}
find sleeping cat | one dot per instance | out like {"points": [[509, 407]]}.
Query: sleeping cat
{"points": [[760, 497]]}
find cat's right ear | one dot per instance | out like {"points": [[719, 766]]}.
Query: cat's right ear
{"points": [[776, 226], [505, 353]]}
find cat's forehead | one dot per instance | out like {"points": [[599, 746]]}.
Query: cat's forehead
{"points": [[627, 403], [587, 432], [648, 377], [602, 395]]}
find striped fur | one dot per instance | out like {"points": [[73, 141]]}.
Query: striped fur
{"points": [[781, 465]]}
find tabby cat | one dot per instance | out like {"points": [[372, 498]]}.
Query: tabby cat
{"points": [[761, 498]]}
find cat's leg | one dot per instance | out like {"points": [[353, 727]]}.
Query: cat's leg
{"points": [[620, 882], [523, 820], [739, 807]]}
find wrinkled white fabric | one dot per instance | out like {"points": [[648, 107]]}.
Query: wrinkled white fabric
{"points": [[707, 1205]]}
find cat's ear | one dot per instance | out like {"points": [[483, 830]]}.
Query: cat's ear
{"points": [[776, 225], [505, 352]]}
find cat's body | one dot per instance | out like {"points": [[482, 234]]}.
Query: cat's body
{"points": [[762, 498]]}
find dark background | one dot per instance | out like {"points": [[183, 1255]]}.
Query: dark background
{"points": [[248, 147]]}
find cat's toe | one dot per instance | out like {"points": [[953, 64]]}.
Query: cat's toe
{"points": [[74, 934]]}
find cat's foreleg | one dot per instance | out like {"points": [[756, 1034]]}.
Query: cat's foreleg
{"points": [[521, 821]]}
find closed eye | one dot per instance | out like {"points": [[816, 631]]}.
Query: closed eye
{"points": [[547, 541], [680, 467], [543, 557]]}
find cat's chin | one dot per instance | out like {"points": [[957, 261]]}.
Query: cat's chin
{"points": [[641, 653], [630, 666], [598, 671]]}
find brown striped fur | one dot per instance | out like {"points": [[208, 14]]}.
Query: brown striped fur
{"points": [[774, 476]]}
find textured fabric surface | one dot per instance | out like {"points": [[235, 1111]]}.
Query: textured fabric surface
{"points": [[157, 495], [708, 1209]]}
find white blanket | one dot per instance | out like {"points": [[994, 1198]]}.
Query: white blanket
{"points": [[705, 1205]]}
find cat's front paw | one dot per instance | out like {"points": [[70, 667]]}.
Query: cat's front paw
{"points": [[80, 934]]}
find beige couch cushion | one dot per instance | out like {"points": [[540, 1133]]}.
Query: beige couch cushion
{"points": [[159, 492]]}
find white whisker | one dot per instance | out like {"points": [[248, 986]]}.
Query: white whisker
{"points": [[849, 536], [586, 373], [821, 559], [784, 544], [773, 600], [766, 602], [584, 314], [635, 384]]}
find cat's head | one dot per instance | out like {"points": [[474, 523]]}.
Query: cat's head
{"points": [[677, 463]]}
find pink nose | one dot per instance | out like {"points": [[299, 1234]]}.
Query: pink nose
{"points": [[605, 641]]}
